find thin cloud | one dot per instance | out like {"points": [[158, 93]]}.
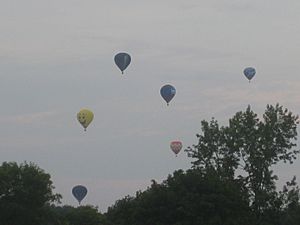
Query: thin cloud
{"points": [[28, 118]]}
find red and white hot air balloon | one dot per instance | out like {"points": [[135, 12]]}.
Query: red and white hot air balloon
{"points": [[176, 146]]}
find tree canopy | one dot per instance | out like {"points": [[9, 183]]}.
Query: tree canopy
{"points": [[190, 197], [25, 190], [251, 145]]}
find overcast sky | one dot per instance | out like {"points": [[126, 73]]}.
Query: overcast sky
{"points": [[56, 57]]}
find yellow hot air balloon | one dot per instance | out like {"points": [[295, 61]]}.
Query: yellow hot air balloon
{"points": [[85, 117]]}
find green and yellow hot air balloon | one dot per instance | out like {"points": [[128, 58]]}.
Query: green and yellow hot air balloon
{"points": [[85, 117]]}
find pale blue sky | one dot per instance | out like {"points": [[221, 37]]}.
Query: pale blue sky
{"points": [[57, 57]]}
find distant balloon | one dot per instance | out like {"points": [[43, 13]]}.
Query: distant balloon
{"points": [[79, 192], [122, 60], [167, 92], [249, 72], [85, 117], [176, 146]]}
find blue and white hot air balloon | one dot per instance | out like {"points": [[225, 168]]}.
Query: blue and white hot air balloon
{"points": [[79, 192], [122, 60], [167, 92], [249, 73]]}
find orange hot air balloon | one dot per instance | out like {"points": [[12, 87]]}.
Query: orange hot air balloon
{"points": [[176, 146]]}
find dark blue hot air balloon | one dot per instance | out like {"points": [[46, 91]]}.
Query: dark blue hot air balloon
{"points": [[249, 72], [167, 92], [122, 60], [79, 192]]}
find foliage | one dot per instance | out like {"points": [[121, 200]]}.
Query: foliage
{"points": [[68, 215], [26, 195], [25, 190], [252, 146], [190, 197]]}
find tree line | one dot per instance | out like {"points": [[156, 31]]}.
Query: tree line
{"points": [[231, 181]]}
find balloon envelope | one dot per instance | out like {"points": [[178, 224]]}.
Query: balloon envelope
{"points": [[176, 146], [122, 60], [85, 117], [249, 72], [167, 92], [79, 192]]}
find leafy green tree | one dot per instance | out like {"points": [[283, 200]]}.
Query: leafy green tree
{"points": [[87, 215], [249, 146], [290, 213], [69, 215], [188, 198], [25, 191], [123, 211]]}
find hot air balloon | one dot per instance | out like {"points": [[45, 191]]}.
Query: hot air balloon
{"points": [[167, 92], [176, 146], [249, 72], [85, 117], [122, 60], [79, 192]]}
